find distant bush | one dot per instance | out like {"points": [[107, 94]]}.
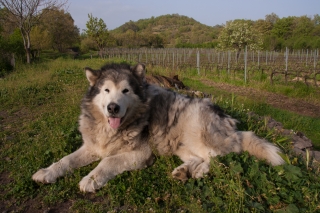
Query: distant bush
{"points": [[5, 66]]}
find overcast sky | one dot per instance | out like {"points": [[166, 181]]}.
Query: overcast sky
{"points": [[209, 12]]}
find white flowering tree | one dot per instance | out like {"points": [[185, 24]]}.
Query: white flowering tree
{"points": [[240, 33]]}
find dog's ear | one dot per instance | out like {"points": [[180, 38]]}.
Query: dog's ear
{"points": [[92, 75], [139, 70]]}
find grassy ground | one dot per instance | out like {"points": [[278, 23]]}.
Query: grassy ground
{"points": [[39, 109]]}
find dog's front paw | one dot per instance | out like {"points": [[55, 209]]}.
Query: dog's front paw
{"points": [[88, 184], [181, 173], [201, 170], [44, 176]]}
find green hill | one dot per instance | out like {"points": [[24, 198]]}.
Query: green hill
{"points": [[173, 30]]}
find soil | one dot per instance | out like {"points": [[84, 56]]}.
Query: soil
{"points": [[279, 101]]}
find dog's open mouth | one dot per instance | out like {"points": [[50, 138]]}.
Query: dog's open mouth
{"points": [[114, 122]]}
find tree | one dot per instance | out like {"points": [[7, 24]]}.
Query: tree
{"points": [[129, 26], [4, 61], [302, 43], [272, 18], [262, 26], [155, 41], [87, 44], [303, 26], [26, 14], [283, 28], [240, 33], [11, 47], [40, 39], [273, 43], [61, 29], [7, 27], [316, 20], [97, 30], [15, 43]]}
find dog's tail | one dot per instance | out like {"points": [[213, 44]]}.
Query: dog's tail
{"points": [[261, 148]]}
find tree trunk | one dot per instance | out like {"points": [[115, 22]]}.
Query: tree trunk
{"points": [[28, 47], [238, 54], [26, 44], [28, 52], [13, 61], [101, 52]]}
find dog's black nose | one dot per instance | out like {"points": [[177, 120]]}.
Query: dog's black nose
{"points": [[113, 108]]}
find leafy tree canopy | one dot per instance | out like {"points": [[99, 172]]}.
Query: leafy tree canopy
{"points": [[240, 33], [60, 29], [97, 30]]}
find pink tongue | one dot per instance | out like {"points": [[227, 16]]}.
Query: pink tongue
{"points": [[114, 122]]}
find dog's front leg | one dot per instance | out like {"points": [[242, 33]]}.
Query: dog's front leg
{"points": [[111, 166], [79, 158]]}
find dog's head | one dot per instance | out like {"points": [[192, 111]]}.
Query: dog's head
{"points": [[117, 90]]}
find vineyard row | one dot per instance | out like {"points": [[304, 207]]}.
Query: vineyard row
{"points": [[302, 65]]}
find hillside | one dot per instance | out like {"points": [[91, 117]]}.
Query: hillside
{"points": [[174, 29]]}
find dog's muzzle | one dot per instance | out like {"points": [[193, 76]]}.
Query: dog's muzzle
{"points": [[113, 120]]}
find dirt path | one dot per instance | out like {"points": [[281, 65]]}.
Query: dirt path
{"points": [[276, 100]]}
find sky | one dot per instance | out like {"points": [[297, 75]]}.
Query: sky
{"points": [[209, 12]]}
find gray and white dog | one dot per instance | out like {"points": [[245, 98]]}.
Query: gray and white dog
{"points": [[124, 120]]}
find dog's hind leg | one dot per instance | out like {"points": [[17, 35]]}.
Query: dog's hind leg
{"points": [[195, 168], [79, 158], [111, 166], [196, 162]]}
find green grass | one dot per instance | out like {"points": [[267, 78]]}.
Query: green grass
{"points": [[39, 109], [261, 81]]}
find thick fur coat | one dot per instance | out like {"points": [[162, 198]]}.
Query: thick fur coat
{"points": [[124, 120]]}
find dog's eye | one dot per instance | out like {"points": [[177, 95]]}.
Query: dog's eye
{"points": [[125, 91], [107, 90]]}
